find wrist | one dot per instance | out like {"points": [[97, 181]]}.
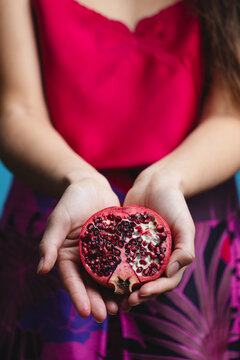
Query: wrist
{"points": [[77, 175], [164, 175]]}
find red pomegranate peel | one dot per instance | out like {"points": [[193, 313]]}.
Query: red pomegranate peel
{"points": [[125, 247]]}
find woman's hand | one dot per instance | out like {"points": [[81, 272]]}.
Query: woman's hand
{"points": [[60, 241], [159, 189]]}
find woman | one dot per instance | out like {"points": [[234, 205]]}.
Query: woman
{"points": [[119, 89]]}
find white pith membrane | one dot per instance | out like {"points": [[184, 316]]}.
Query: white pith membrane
{"points": [[138, 259], [149, 234]]}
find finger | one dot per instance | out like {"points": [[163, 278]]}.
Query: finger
{"points": [[159, 286], [98, 307], [135, 299], [184, 252], [132, 197], [125, 304], [58, 227], [112, 301], [112, 306], [73, 282], [180, 258]]}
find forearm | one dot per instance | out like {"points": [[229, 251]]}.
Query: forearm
{"points": [[32, 149], [208, 156]]}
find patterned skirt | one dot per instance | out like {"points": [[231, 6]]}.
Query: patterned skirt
{"points": [[199, 320]]}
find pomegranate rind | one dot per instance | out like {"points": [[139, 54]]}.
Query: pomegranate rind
{"points": [[124, 272]]}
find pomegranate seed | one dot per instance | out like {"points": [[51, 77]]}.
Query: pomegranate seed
{"points": [[160, 228], [90, 227], [150, 246], [153, 256], [163, 235], [139, 229], [153, 271], [118, 260], [110, 217], [143, 252], [116, 252], [146, 272], [120, 244], [157, 250]]}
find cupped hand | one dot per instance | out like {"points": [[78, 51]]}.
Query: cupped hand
{"points": [[159, 190], [60, 241]]}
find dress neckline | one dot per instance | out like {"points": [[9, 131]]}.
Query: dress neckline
{"points": [[120, 23]]}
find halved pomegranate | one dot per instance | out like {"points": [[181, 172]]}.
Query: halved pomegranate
{"points": [[124, 247]]}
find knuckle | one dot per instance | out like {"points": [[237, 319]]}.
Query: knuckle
{"points": [[189, 257], [46, 247]]}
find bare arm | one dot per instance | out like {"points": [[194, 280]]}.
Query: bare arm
{"points": [[211, 153], [207, 157], [33, 150], [29, 145]]}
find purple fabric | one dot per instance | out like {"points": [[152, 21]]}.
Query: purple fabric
{"points": [[199, 320]]}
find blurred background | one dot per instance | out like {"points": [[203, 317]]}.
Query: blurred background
{"points": [[6, 179], [5, 182]]}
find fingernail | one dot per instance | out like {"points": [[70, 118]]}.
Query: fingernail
{"points": [[40, 265], [173, 269], [135, 304], [145, 295]]}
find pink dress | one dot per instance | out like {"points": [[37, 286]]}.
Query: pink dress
{"points": [[122, 100]]}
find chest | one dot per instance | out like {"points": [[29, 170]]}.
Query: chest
{"points": [[129, 12]]}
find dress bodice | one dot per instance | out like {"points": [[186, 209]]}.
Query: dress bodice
{"points": [[120, 98]]}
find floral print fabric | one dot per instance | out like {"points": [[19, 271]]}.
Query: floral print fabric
{"points": [[199, 320]]}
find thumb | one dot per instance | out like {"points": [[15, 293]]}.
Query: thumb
{"points": [[183, 253], [133, 197], [57, 229]]}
